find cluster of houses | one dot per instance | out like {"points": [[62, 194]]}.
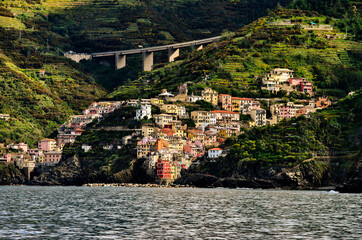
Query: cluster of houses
{"points": [[25, 158], [49, 151], [172, 139], [170, 145], [283, 79]]}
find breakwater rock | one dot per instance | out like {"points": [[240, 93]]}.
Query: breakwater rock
{"points": [[147, 185]]}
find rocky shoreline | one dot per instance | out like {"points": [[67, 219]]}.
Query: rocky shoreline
{"points": [[136, 185]]}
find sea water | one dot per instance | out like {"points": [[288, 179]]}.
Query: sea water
{"points": [[176, 213]]}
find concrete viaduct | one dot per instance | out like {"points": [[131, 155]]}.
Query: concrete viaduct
{"points": [[147, 53]]}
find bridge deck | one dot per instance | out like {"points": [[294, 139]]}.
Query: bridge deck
{"points": [[158, 48]]}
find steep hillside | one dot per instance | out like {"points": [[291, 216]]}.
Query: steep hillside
{"points": [[101, 25], [300, 153], [38, 88], [35, 33], [234, 65], [115, 24], [330, 134]]}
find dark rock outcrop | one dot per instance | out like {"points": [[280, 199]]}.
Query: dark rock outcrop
{"points": [[354, 180], [69, 172], [10, 175], [197, 180]]}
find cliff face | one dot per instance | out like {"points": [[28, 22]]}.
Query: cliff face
{"points": [[72, 171], [68, 172], [354, 180], [10, 175], [308, 175], [325, 173]]}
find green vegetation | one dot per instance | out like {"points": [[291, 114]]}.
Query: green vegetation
{"points": [[348, 12], [234, 65], [101, 161], [93, 25], [34, 33], [333, 131], [38, 103]]}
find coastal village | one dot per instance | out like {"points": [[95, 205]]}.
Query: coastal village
{"points": [[174, 138]]}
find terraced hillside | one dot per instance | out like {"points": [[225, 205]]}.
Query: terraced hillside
{"points": [[326, 57], [115, 24], [38, 88]]}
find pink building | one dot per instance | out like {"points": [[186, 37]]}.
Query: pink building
{"points": [[35, 152], [47, 144], [63, 139], [225, 100], [255, 105], [296, 81], [284, 112], [52, 158], [302, 85]]}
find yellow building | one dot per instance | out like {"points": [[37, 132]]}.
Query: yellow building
{"points": [[169, 108], [175, 171], [41, 158], [176, 145], [148, 130], [156, 101], [225, 133], [196, 134], [163, 119], [203, 117], [177, 128], [210, 96]]}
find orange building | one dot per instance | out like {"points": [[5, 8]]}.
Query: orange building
{"points": [[161, 144], [322, 102], [225, 100]]}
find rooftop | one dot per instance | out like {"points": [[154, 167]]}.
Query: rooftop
{"points": [[215, 149], [243, 99], [224, 111]]}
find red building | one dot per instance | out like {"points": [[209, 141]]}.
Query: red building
{"points": [[306, 87], [164, 169]]}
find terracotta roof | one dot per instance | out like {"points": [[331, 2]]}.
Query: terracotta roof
{"points": [[216, 149], [167, 131], [48, 139], [243, 99], [223, 111], [79, 130]]}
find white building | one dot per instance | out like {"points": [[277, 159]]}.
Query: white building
{"points": [[259, 116], [144, 111], [273, 80], [193, 98], [181, 112], [214, 152], [86, 147]]}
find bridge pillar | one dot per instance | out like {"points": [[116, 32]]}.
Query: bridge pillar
{"points": [[120, 61], [147, 61], [173, 53], [198, 47]]}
